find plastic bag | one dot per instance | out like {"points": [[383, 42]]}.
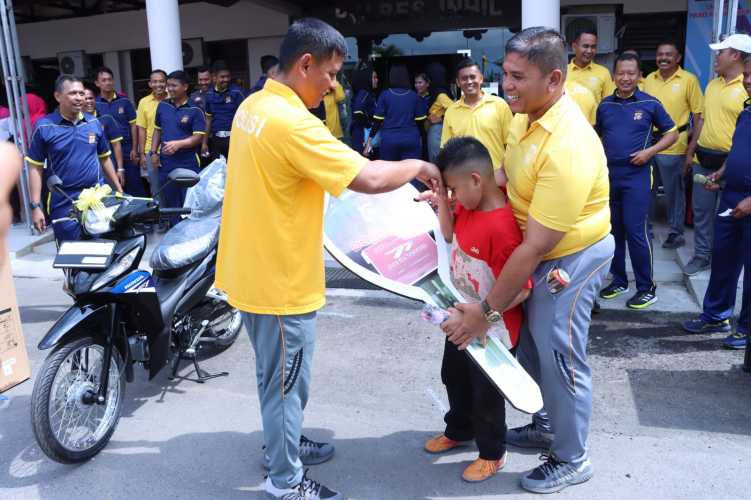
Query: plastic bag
{"points": [[185, 243], [205, 198]]}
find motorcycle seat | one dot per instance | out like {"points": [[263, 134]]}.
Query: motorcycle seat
{"points": [[186, 243]]}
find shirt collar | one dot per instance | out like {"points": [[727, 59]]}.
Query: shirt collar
{"points": [[115, 97], [550, 119], [737, 79], [284, 91], [632, 97], [485, 97], [58, 118], [575, 67], [175, 104], [222, 91]]}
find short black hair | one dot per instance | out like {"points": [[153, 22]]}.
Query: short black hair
{"points": [[180, 76], [466, 62], [628, 56], [670, 42], [632, 51], [544, 47], [203, 69], [62, 79], [218, 66], [310, 36], [103, 69], [161, 71], [399, 77], [459, 151], [267, 62], [584, 31], [87, 85]]}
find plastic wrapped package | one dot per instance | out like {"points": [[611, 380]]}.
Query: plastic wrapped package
{"points": [[205, 198], [186, 243]]}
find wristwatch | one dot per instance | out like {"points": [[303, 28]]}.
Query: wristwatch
{"points": [[491, 315], [35, 205]]}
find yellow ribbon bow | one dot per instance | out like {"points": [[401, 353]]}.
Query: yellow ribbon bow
{"points": [[91, 198]]}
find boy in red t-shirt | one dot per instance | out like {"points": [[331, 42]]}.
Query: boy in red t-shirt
{"points": [[484, 233]]}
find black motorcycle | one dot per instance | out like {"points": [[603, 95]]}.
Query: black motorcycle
{"points": [[123, 316]]}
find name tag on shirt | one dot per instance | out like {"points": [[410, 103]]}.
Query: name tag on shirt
{"points": [[92, 138]]}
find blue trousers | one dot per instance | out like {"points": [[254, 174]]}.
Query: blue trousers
{"points": [[400, 145], [732, 252], [65, 230], [283, 346], [357, 138], [630, 193], [173, 196]]}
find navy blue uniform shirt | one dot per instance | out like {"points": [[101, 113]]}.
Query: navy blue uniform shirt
{"points": [[399, 108], [625, 125], [222, 106], [179, 122], [198, 99], [258, 85], [738, 164], [122, 110], [72, 151]]}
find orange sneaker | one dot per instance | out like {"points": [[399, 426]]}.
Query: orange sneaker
{"points": [[480, 469], [440, 444]]}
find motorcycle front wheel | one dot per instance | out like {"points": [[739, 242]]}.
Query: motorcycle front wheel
{"points": [[68, 423]]}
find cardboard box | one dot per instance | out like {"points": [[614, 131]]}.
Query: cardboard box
{"points": [[14, 360]]}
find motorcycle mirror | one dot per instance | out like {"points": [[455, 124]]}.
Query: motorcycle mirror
{"points": [[183, 177], [54, 183]]}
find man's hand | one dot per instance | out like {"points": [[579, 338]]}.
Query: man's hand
{"points": [[204, 150], [433, 118], [142, 161], [431, 177], [121, 177], [713, 183], [743, 209], [368, 149], [641, 157], [133, 155], [155, 161], [688, 165], [171, 147], [37, 218], [473, 324]]}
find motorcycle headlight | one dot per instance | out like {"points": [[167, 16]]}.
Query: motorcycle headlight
{"points": [[99, 221], [120, 267]]}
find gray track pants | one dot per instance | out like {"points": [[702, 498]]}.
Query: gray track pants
{"points": [[553, 346], [284, 353]]}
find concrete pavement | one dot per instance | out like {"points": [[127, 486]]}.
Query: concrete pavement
{"points": [[670, 415]]}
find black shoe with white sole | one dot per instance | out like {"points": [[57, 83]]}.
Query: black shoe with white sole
{"points": [[311, 452]]}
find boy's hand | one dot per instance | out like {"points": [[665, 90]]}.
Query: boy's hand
{"points": [[473, 325], [453, 322]]}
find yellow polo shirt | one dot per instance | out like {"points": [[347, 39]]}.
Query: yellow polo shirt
{"points": [[441, 104], [330, 104], [681, 96], [723, 102], [487, 122], [281, 160], [145, 116], [595, 77], [584, 99], [557, 173]]}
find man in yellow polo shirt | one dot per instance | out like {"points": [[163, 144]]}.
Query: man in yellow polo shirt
{"points": [[270, 260], [723, 102], [145, 116], [582, 68], [584, 99], [485, 117], [680, 94], [558, 188], [331, 103]]}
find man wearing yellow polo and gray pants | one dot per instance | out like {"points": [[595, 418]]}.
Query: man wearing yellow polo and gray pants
{"points": [[270, 263], [680, 94], [477, 114], [584, 99], [723, 102], [558, 189], [583, 70]]}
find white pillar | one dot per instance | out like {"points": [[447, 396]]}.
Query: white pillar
{"points": [[541, 13], [165, 42]]}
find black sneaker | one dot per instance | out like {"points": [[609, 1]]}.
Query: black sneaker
{"points": [[674, 241], [695, 266], [306, 490], [642, 300], [311, 453], [555, 475], [612, 291]]}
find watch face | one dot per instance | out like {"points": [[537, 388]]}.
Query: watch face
{"points": [[494, 317]]}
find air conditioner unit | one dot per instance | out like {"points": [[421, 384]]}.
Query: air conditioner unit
{"points": [[602, 23], [193, 52], [74, 63]]}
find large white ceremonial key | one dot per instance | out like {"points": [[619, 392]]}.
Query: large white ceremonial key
{"points": [[389, 240]]}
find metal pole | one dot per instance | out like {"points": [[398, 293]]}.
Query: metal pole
{"points": [[719, 7], [15, 88], [732, 17]]}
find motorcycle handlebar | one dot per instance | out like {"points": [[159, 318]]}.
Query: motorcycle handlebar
{"points": [[175, 211]]}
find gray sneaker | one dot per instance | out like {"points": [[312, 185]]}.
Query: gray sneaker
{"points": [[555, 475], [529, 436], [306, 490], [311, 453], [695, 266]]}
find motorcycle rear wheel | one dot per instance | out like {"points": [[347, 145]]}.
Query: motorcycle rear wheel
{"points": [[68, 427]]}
